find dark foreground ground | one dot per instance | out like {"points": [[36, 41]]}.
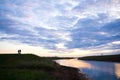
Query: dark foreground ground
{"points": [[32, 67], [109, 58]]}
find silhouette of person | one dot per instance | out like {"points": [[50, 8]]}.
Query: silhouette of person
{"points": [[19, 51]]}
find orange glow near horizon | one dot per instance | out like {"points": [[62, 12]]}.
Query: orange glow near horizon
{"points": [[75, 63], [117, 70], [12, 47]]}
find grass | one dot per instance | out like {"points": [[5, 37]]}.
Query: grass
{"points": [[109, 58], [28, 61], [32, 67], [25, 67], [17, 74]]}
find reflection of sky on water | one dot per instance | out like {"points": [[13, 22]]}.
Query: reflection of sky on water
{"points": [[117, 70], [96, 70], [101, 71], [74, 63]]}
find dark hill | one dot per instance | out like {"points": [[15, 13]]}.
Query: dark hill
{"points": [[32, 67]]}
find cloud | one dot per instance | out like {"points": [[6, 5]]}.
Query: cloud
{"points": [[85, 36], [78, 24], [36, 23]]}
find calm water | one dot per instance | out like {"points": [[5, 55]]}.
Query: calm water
{"points": [[95, 70]]}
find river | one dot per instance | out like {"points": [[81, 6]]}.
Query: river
{"points": [[95, 70]]}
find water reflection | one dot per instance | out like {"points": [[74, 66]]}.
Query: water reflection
{"points": [[117, 70], [94, 69], [74, 63]]}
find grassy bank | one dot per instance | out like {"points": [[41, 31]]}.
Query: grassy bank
{"points": [[110, 58], [32, 67]]}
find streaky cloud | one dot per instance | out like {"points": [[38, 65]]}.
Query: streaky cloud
{"points": [[61, 25]]}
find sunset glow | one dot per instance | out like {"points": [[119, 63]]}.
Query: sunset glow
{"points": [[60, 27]]}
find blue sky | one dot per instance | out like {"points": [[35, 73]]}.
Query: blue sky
{"points": [[60, 27]]}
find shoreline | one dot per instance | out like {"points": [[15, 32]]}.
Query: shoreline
{"points": [[68, 73]]}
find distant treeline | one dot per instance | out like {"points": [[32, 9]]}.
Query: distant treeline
{"points": [[110, 58]]}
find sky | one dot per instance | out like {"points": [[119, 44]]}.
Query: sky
{"points": [[60, 27]]}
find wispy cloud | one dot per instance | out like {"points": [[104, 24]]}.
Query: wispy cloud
{"points": [[59, 24]]}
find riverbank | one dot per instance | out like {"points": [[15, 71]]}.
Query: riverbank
{"points": [[108, 58], [32, 67]]}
